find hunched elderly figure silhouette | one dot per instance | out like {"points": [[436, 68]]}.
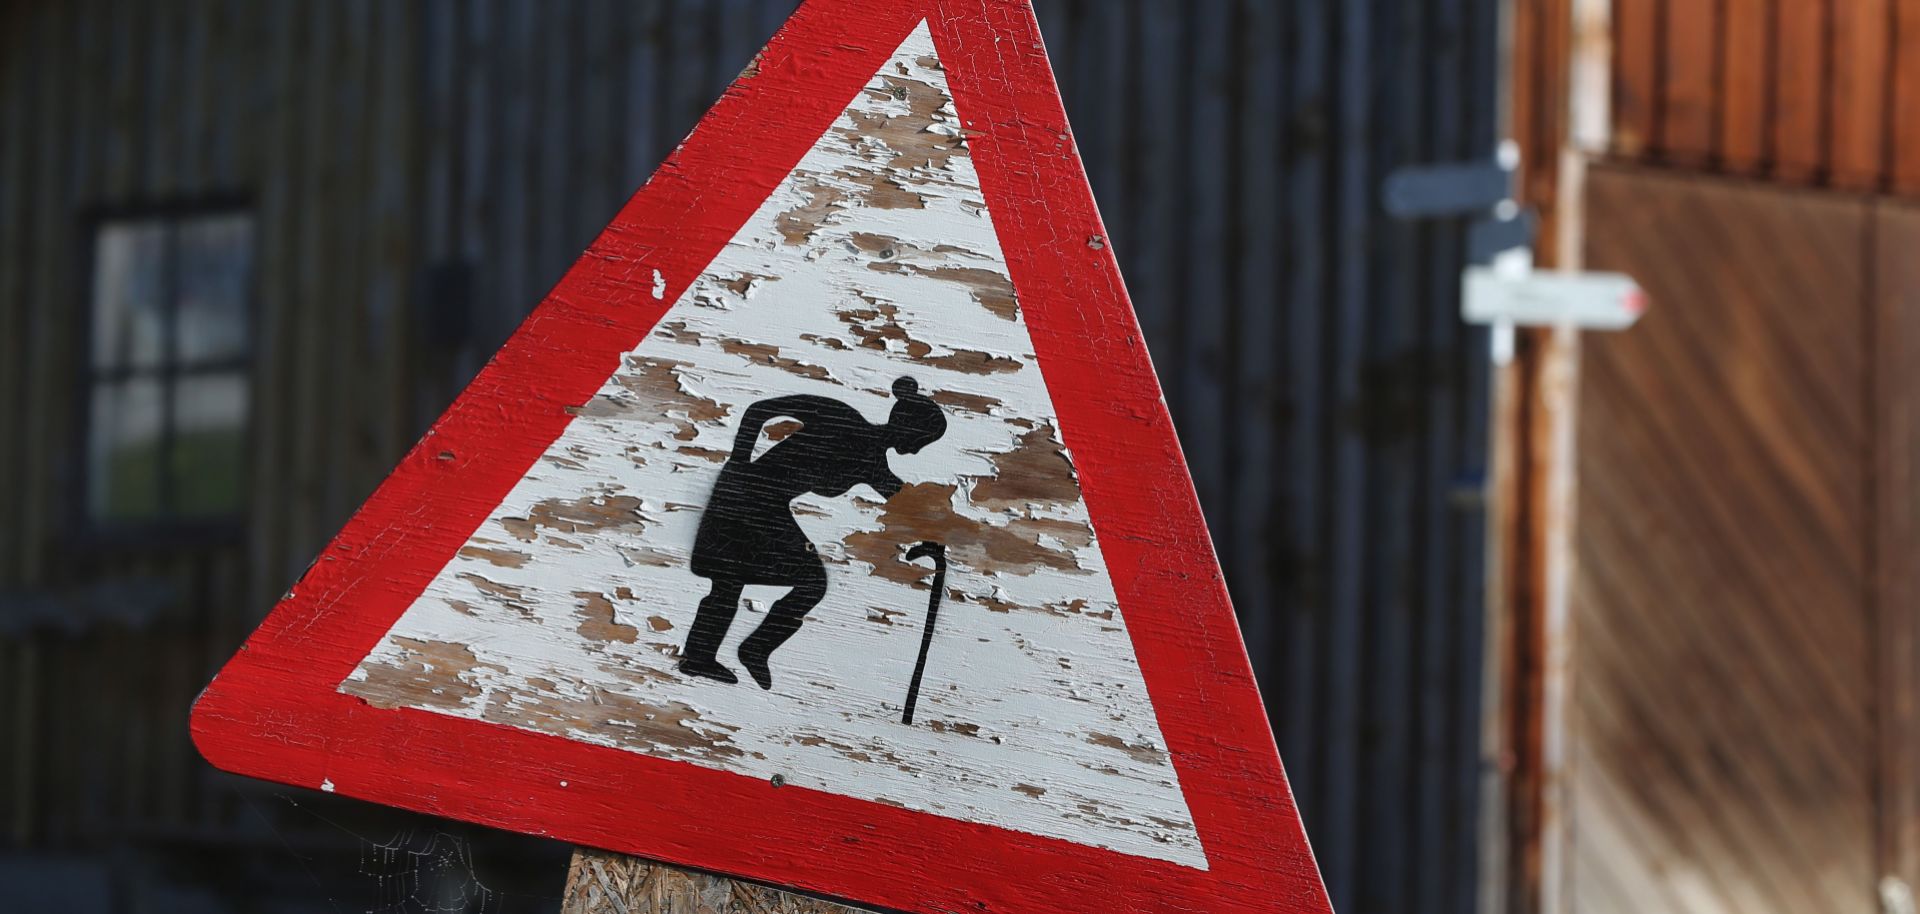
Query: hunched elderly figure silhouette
{"points": [[748, 535]]}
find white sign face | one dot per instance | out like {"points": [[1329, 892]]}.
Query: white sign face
{"points": [[1595, 301], [744, 455]]}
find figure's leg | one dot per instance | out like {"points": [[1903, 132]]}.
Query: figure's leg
{"points": [[783, 620], [710, 624]]}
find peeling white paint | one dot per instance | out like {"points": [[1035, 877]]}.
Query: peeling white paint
{"points": [[659, 286], [326, 785], [566, 610]]}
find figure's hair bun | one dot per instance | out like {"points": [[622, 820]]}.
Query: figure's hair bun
{"points": [[916, 420]]}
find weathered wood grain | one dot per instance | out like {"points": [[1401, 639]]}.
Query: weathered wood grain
{"points": [[1725, 639], [600, 882]]}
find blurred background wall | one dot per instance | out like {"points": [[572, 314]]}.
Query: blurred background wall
{"points": [[248, 250], [1710, 699]]}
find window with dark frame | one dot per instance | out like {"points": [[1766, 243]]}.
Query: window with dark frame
{"points": [[169, 368]]}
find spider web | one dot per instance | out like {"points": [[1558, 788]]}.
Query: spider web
{"points": [[414, 867], [425, 872]]}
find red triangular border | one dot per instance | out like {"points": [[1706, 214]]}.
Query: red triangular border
{"points": [[274, 711]]}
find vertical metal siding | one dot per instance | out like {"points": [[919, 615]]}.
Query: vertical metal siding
{"points": [[1332, 406]]}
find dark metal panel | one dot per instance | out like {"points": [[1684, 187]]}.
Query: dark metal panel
{"points": [[1203, 297], [1250, 548], [1333, 408], [1295, 700]]}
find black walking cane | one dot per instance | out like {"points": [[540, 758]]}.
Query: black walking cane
{"points": [[939, 555]]}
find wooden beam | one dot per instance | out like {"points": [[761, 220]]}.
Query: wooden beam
{"points": [[600, 882], [1570, 54], [1895, 316]]}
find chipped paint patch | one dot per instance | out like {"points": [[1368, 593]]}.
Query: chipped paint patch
{"points": [[566, 612]]}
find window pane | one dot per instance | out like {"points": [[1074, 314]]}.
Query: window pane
{"points": [[216, 265], [128, 295], [209, 449], [123, 451]]}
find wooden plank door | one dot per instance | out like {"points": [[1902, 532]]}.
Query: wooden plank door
{"points": [[1724, 722]]}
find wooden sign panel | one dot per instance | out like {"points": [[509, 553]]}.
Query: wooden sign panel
{"points": [[824, 527]]}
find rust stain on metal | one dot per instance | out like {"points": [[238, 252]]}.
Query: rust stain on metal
{"points": [[422, 674], [1143, 752], [499, 558], [913, 137], [651, 391], [745, 284], [924, 512], [769, 354], [505, 595], [882, 190], [598, 620], [993, 290], [753, 66], [710, 455], [674, 727], [941, 726], [966, 402], [649, 557], [780, 431], [1036, 471], [579, 515], [878, 327], [799, 224]]}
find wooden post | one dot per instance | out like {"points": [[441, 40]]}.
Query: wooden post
{"points": [[600, 882]]}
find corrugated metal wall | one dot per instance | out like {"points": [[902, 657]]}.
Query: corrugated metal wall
{"points": [[418, 167]]}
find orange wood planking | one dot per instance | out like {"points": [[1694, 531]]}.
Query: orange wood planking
{"points": [[1688, 83], [1800, 92], [1860, 71], [1904, 87], [1636, 76], [1743, 86]]}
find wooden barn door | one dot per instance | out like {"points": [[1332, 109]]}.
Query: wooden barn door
{"points": [[1740, 661]]}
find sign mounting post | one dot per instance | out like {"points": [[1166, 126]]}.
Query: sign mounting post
{"points": [[824, 527]]}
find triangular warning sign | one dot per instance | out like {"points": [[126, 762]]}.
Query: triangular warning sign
{"points": [[824, 527]]}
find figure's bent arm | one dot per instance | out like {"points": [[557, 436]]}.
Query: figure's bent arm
{"points": [[759, 414]]}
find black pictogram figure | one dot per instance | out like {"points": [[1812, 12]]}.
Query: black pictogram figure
{"points": [[938, 553], [748, 535]]}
